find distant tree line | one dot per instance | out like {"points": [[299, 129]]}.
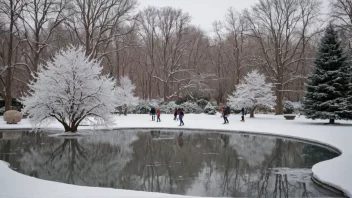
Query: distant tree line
{"points": [[160, 50]]}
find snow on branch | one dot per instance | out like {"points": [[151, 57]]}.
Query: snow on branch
{"points": [[252, 92], [125, 93], [69, 89]]}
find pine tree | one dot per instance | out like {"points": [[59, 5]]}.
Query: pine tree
{"points": [[328, 85]]}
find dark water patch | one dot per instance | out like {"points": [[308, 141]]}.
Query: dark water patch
{"points": [[175, 162]]}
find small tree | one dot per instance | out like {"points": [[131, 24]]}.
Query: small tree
{"points": [[328, 85], [253, 92], [125, 94], [69, 89]]}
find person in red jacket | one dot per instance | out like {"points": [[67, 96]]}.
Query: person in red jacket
{"points": [[158, 115]]}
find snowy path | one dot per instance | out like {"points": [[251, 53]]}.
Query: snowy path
{"points": [[335, 172]]}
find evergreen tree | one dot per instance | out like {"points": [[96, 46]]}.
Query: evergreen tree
{"points": [[328, 85]]}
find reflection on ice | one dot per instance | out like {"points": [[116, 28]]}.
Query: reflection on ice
{"points": [[179, 162]]}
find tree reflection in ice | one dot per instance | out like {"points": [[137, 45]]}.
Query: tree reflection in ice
{"points": [[179, 162]]}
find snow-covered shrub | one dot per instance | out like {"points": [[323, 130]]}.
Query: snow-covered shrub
{"points": [[144, 106], [168, 108], [202, 103], [141, 109], [217, 108], [12, 117], [288, 107], [70, 88], [253, 92], [209, 109], [298, 107], [125, 93], [189, 107], [2, 110]]}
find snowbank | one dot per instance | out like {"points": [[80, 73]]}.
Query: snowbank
{"points": [[14, 184], [335, 172]]}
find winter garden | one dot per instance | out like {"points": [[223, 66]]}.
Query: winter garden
{"points": [[145, 105]]}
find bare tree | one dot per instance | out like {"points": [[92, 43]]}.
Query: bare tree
{"points": [[148, 33], [163, 36], [241, 47], [40, 18], [221, 65], [173, 25], [95, 21], [11, 10], [281, 28], [341, 11]]}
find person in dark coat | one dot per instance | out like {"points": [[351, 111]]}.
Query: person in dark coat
{"points": [[175, 114], [242, 113], [227, 112], [180, 116], [158, 115], [152, 113]]}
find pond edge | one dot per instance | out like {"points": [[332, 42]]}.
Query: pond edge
{"points": [[326, 185]]}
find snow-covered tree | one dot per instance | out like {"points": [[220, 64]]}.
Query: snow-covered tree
{"points": [[68, 89], [252, 92], [125, 93], [328, 85]]}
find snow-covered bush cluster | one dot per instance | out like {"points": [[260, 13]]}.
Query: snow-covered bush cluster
{"points": [[141, 108], [288, 107], [209, 109], [168, 108], [202, 103], [144, 106], [190, 107], [298, 107]]}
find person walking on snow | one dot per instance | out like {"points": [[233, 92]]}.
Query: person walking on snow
{"points": [[181, 115], [227, 112], [158, 115], [242, 113], [152, 113], [175, 114]]}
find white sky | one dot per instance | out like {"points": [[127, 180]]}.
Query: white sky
{"points": [[203, 12]]}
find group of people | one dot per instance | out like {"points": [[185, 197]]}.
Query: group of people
{"points": [[178, 115], [153, 112], [225, 113]]}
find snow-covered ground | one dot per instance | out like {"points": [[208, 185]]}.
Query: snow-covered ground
{"points": [[335, 172]]}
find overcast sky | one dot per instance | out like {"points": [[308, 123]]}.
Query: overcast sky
{"points": [[203, 12]]}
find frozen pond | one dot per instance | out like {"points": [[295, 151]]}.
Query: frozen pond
{"points": [[176, 162]]}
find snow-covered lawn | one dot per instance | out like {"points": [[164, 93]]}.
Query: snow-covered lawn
{"points": [[336, 172]]}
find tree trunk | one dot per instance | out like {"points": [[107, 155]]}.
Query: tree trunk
{"points": [[67, 128], [178, 92], [150, 88], [166, 91], [72, 129], [252, 112], [8, 85], [279, 108], [332, 121]]}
